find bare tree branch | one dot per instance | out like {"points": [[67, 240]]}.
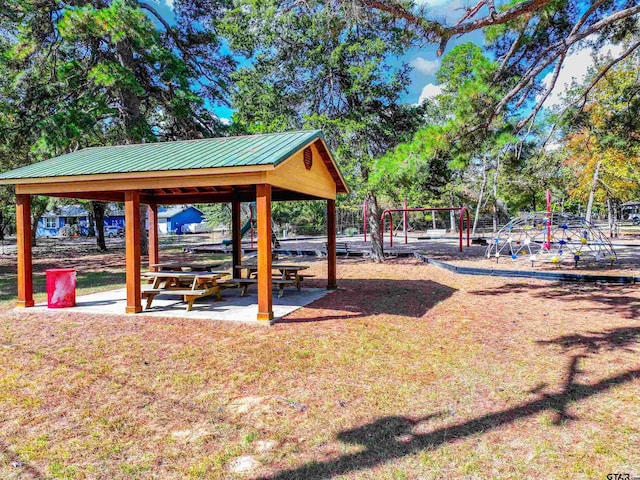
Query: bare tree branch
{"points": [[545, 95], [550, 54], [436, 32]]}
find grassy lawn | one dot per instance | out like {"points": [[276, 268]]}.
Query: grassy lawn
{"points": [[406, 372]]}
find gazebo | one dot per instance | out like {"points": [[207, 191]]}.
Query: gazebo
{"points": [[261, 168]]}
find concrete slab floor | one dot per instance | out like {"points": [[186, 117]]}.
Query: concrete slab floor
{"points": [[232, 307]]}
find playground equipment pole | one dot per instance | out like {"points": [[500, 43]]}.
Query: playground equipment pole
{"points": [[463, 213], [547, 244], [364, 218], [405, 219]]}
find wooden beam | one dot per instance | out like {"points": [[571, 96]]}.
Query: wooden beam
{"points": [[165, 199], [113, 196], [236, 236], [263, 207], [331, 245], [132, 243], [178, 179], [25, 270], [154, 256]]}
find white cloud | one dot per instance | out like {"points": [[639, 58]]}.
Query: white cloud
{"points": [[428, 67], [440, 3], [169, 4], [429, 91], [225, 121], [444, 7], [574, 67]]}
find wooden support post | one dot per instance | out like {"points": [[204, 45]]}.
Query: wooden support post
{"points": [[331, 245], [25, 271], [265, 300], [154, 253], [132, 242], [236, 237]]}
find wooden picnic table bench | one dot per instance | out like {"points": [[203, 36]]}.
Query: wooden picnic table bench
{"points": [[245, 283], [341, 247], [287, 272], [190, 285], [185, 267]]}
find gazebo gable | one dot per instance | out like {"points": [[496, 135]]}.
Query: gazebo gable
{"points": [[310, 171]]}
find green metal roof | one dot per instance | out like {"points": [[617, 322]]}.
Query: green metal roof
{"points": [[267, 149]]}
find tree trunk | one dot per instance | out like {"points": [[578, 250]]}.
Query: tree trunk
{"points": [[495, 198], [91, 227], [592, 192], [1, 226], [480, 197], [134, 125], [452, 214], [373, 221], [533, 201], [34, 228], [98, 211], [612, 218]]}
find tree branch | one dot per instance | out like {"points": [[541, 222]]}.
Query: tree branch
{"points": [[561, 48]]}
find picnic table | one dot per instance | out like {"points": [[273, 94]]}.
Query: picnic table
{"points": [[185, 267], [289, 276], [191, 285]]}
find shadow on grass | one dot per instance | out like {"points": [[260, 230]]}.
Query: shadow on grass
{"points": [[610, 298], [593, 342], [21, 468], [390, 438], [357, 298]]}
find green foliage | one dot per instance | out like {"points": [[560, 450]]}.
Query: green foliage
{"points": [[103, 72], [317, 66]]}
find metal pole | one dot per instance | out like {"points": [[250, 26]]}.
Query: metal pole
{"points": [[468, 226], [548, 244], [460, 227], [406, 218]]}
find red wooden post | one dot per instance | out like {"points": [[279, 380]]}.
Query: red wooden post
{"points": [[263, 204], [236, 237], [251, 229], [25, 270], [132, 243], [331, 245], [154, 252]]}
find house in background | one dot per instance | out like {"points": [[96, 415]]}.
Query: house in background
{"points": [[70, 220], [64, 220], [172, 220]]}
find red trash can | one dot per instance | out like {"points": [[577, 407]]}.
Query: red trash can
{"points": [[61, 287]]}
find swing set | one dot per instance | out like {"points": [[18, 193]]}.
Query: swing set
{"points": [[464, 213]]}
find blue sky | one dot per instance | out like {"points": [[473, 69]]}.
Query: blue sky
{"points": [[423, 60]]}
